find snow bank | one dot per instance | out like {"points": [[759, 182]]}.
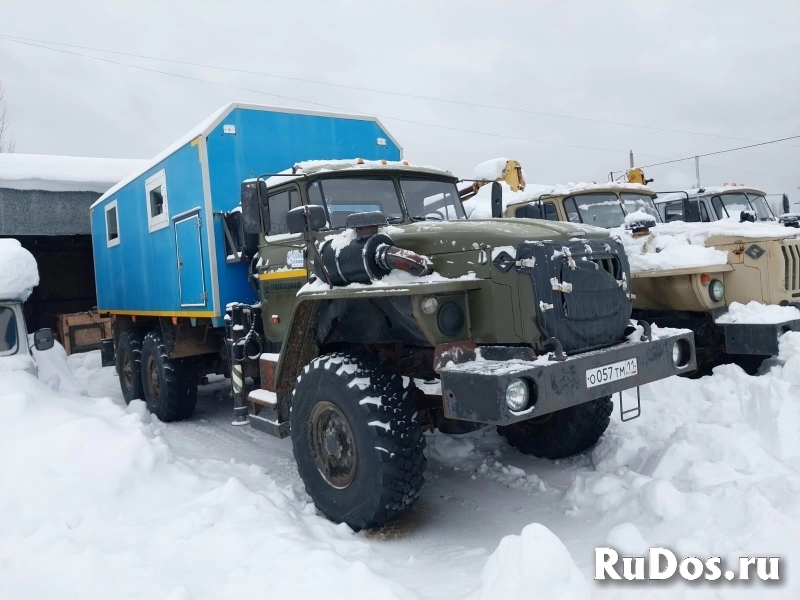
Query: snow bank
{"points": [[532, 565], [90, 489], [19, 273], [755, 312], [711, 466], [63, 173]]}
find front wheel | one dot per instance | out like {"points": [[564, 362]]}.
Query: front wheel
{"points": [[129, 364], [562, 433], [357, 443]]}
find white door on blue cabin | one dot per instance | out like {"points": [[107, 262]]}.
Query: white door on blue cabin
{"points": [[189, 244]]}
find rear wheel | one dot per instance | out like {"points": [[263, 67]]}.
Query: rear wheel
{"points": [[562, 433], [356, 440], [129, 364], [169, 385]]}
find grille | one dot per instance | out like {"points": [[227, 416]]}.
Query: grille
{"points": [[609, 265], [791, 267]]}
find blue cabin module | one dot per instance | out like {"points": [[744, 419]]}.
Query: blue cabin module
{"points": [[159, 244]]}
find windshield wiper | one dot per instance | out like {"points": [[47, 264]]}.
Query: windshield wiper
{"points": [[395, 220], [428, 218]]}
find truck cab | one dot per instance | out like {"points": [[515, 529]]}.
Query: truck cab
{"points": [[14, 342], [714, 204], [385, 312]]}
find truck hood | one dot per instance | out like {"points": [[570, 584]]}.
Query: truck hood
{"points": [[438, 237]]}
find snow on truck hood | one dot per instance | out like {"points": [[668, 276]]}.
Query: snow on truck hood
{"points": [[19, 273], [680, 245]]}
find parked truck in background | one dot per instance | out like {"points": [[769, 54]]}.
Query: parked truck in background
{"points": [[762, 265], [378, 310]]}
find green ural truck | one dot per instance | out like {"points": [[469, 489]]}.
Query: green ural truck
{"points": [[762, 264], [384, 313]]}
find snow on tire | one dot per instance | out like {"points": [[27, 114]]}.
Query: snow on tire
{"points": [[562, 433], [169, 384], [356, 440]]}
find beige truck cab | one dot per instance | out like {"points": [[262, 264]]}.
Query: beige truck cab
{"points": [[728, 248]]}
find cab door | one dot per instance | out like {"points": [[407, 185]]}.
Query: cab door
{"points": [[283, 266]]}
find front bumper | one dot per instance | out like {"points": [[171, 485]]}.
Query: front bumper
{"points": [[474, 380], [756, 338]]}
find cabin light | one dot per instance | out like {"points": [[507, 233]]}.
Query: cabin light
{"points": [[275, 319]]}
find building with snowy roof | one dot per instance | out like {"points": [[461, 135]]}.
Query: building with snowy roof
{"points": [[44, 203]]}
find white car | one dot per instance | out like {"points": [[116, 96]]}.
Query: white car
{"points": [[16, 350]]}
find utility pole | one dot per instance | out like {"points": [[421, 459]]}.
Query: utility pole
{"points": [[697, 171], [630, 155]]}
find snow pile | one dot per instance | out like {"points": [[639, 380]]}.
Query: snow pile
{"points": [[19, 273], [54, 369], [711, 467], [639, 216], [755, 312], [680, 245], [490, 169], [63, 173], [534, 564], [90, 489]]}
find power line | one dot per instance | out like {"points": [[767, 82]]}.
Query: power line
{"points": [[18, 39], [320, 104], [667, 162]]}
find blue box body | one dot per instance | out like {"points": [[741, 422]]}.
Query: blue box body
{"points": [[180, 268]]}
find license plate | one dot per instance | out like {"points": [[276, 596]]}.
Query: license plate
{"points": [[613, 372]]}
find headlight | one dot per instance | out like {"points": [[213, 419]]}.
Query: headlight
{"points": [[429, 305], [517, 395], [681, 353], [716, 290], [450, 319]]}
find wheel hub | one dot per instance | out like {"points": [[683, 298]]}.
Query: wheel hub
{"points": [[153, 382], [333, 444]]}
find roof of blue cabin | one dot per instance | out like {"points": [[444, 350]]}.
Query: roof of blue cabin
{"points": [[205, 127]]}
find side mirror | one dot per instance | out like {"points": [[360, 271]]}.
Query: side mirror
{"points": [[43, 340], [254, 197], [296, 218], [747, 216], [785, 204], [497, 200]]}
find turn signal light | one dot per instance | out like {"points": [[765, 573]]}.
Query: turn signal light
{"points": [[705, 278]]}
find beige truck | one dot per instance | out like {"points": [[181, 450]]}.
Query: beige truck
{"points": [[686, 274]]}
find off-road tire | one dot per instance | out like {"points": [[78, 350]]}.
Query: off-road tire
{"points": [[381, 423], [562, 433], [169, 385], [129, 364]]}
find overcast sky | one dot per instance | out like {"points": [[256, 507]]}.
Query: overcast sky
{"points": [[729, 69]]}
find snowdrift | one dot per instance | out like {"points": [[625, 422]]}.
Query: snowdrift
{"points": [[19, 273]]}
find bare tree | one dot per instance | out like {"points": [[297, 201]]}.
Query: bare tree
{"points": [[7, 142]]}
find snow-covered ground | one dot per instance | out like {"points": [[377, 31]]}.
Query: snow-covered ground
{"points": [[100, 500]]}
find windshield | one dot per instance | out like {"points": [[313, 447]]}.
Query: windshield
{"points": [[601, 209], [761, 207], [642, 202], [345, 196], [730, 205], [431, 200], [8, 331]]}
